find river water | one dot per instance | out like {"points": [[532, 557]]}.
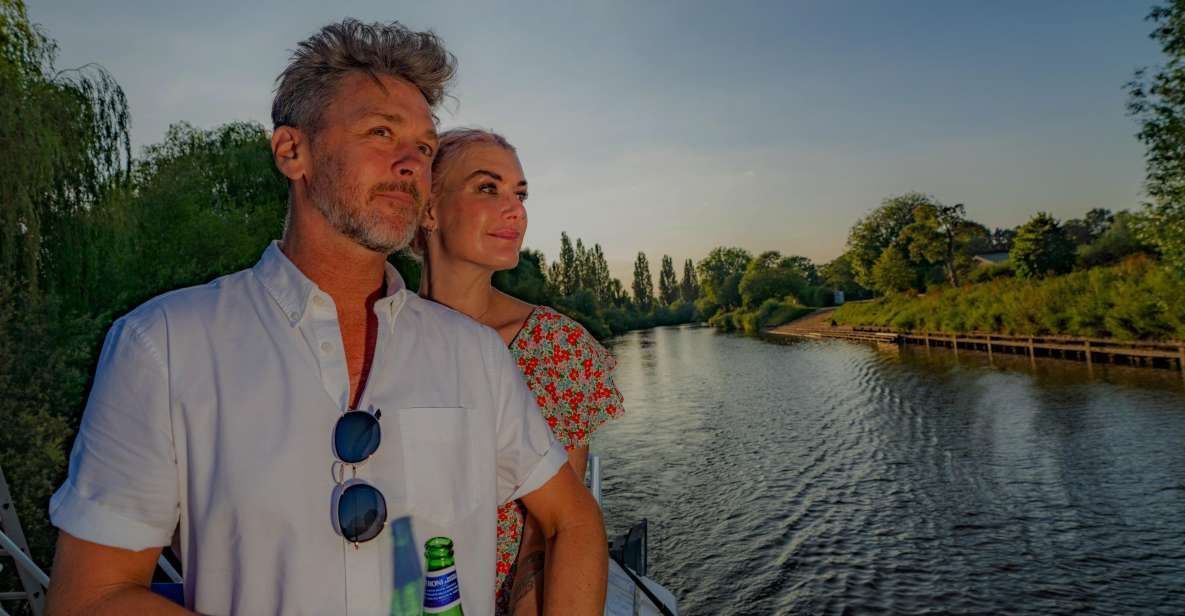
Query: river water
{"points": [[825, 477]]}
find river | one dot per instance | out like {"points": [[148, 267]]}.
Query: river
{"points": [[825, 477]]}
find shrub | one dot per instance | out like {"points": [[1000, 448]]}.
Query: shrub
{"points": [[1135, 299]]}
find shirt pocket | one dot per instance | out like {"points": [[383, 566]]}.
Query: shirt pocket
{"points": [[440, 466]]}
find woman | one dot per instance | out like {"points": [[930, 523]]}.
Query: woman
{"points": [[473, 227]]}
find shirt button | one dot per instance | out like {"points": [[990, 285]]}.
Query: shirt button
{"points": [[317, 301], [326, 347]]}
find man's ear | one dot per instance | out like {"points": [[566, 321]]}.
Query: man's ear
{"points": [[290, 151]]}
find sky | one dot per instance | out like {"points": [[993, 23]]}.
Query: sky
{"points": [[675, 127]]}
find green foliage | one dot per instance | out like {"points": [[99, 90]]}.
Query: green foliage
{"points": [[526, 280], [1090, 227], [65, 140], [668, 284], [805, 268], [990, 272], [410, 268], [1132, 300], [1041, 248], [940, 234], [1157, 101], [892, 272], [64, 135], [760, 285], [689, 286], [1116, 241], [643, 286], [880, 229], [771, 313], [720, 275], [46, 352], [838, 275]]}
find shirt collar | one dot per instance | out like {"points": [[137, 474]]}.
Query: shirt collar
{"points": [[292, 290]]}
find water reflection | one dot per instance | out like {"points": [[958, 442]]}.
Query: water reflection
{"points": [[820, 476]]}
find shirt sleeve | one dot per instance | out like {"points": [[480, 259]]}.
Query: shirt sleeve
{"points": [[528, 453], [594, 398], [122, 488]]}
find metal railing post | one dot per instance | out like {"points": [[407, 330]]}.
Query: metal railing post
{"points": [[594, 482]]}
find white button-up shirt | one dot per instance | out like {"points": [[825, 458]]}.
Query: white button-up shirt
{"points": [[212, 413]]}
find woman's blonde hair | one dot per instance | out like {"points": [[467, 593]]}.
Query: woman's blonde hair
{"points": [[451, 143]]}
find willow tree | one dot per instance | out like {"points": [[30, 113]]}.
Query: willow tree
{"points": [[65, 140], [66, 145]]}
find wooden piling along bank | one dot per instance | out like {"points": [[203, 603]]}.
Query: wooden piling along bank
{"points": [[1166, 354]]}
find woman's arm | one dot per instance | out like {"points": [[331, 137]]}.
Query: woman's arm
{"points": [[526, 597], [577, 566]]}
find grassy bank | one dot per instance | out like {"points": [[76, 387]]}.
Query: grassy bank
{"points": [[771, 313], [1135, 300]]}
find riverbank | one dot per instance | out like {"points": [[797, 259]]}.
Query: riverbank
{"points": [[1136, 300], [1146, 354]]}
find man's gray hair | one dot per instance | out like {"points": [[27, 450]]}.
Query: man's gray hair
{"points": [[320, 62]]}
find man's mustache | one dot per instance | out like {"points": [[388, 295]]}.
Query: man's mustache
{"points": [[404, 187]]}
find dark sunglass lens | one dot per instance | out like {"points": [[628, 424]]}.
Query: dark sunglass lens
{"points": [[356, 436], [361, 513]]}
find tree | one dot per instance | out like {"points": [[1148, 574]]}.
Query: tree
{"points": [[526, 280], [1119, 240], [892, 272], [643, 284], [1087, 229], [720, 274], [1157, 101], [805, 268], [881, 228], [1002, 240], [689, 286], [765, 261], [939, 234], [582, 274], [65, 141], [838, 275], [565, 281], [617, 292], [668, 284], [1041, 248], [600, 276], [555, 277], [758, 285]]}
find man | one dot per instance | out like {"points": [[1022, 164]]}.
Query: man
{"points": [[218, 411]]}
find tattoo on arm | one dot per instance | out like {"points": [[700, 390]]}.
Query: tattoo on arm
{"points": [[528, 575]]}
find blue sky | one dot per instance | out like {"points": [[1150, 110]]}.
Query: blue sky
{"points": [[674, 127]]}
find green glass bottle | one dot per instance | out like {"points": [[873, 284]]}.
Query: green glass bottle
{"points": [[442, 588]]}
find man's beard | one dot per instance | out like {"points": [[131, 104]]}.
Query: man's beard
{"points": [[348, 208]]}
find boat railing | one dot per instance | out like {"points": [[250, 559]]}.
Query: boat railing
{"points": [[594, 477], [27, 569]]}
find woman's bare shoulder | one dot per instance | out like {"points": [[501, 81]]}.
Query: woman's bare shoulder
{"points": [[512, 315]]}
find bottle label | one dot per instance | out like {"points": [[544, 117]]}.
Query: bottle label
{"points": [[442, 590]]}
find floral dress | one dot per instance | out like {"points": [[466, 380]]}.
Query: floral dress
{"points": [[570, 374]]}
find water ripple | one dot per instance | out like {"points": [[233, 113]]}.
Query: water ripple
{"points": [[829, 478]]}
